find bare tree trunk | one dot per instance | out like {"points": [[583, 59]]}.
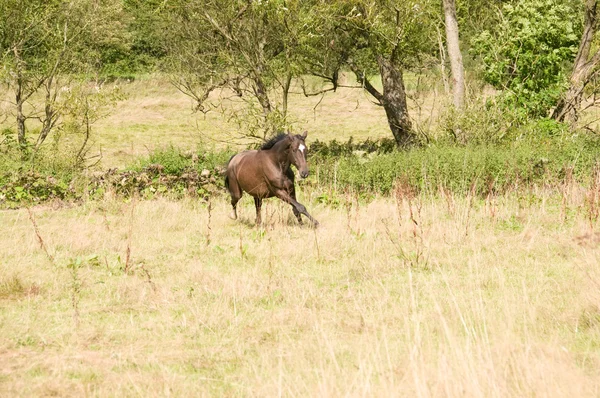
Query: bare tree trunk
{"points": [[584, 68], [286, 91], [456, 63], [261, 94], [50, 114], [80, 158], [20, 115], [20, 98]]}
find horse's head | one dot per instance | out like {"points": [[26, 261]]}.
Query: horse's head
{"points": [[298, 153]]}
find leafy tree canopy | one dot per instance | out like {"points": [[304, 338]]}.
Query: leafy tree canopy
{"points": [[527, 52]]}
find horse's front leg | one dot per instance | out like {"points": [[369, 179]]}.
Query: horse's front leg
{"points": [[296, 212], [292, 190], [258, 205], [286, 197]]}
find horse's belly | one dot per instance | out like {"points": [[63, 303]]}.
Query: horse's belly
{"points": [[256, 188]]}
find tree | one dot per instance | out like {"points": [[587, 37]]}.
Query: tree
{"points": [[42, 44], [372, 38], [456, 63], [243, 47], [524, 55], [585, 68]]}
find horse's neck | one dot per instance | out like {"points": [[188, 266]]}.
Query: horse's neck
{"points": [[280, 155]]}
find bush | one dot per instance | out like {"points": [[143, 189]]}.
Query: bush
{"points": [[525, 55], [492, 168], [175, 161]]}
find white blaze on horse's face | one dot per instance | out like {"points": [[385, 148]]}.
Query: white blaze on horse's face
{"points": [[300, 161]]}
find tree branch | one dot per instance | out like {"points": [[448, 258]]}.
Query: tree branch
{"points": [[362, 78]]}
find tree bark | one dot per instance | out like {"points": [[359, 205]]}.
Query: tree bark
{"points": [[20, 115], [20, 98], [287, 83], [393, 101], [584, 68], [456, 63]]}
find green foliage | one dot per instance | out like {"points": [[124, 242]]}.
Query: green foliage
{"points": [[542, 155], [171, 159], [492, 122], [336, 33], [138, 47], [18, 189], [526, 53], [175, 161]]}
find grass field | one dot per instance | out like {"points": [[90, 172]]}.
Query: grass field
{"points": [[396, 297]]}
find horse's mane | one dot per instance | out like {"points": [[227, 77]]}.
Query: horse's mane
{"points": [[273, 140]]}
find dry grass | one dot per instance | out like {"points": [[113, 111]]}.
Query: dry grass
{"points": [[410, 297], [154, 114]]}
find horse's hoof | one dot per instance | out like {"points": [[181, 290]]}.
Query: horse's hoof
{"points": [[233, 216]]}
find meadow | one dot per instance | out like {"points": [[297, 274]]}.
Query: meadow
{"points": [[407, 294], [410, 296]]}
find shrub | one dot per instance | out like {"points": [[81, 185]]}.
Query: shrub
{"points": [[496, 168], [175, 161], [524, 56]]}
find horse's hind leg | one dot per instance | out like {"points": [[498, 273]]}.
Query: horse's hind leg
{"points": [[236, 193], [258, 205]]}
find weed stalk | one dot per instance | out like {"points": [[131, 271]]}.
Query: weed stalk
{"points": [[39, 236], [128, 262], [208, 227], [74, 266]]}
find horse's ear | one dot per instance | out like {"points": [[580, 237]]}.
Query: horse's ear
{"points": [[304, 134]]}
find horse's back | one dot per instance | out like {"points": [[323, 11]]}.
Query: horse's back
{"points": [[238, 159]]}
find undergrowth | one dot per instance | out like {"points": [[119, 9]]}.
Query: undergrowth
{"points": [[538, 156], [484, 168]]}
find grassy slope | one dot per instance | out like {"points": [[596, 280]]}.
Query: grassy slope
{"points": [[154, 114], [479, 299]]}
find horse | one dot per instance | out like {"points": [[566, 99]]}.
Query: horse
{"points": [[267, 172]]}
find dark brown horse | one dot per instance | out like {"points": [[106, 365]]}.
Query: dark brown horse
{"points": [[267, 172]]}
